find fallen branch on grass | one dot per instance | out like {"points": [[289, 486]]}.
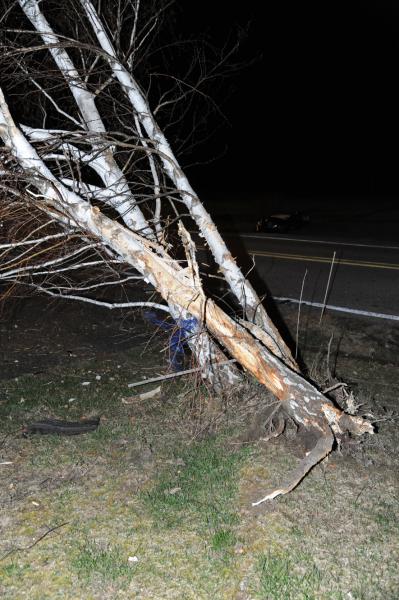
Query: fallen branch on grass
{"points": [[177, 374], [57, 427], [25, 548]]}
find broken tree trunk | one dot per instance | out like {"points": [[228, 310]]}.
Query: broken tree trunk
{"points": [[299, 398], [239, 285], [51, 165], [117, 193]]}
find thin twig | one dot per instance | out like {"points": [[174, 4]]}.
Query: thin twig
{"points": [[24, 548], [334, 387], [327, 288], [177, 374], [328, 356], [299, 315]]}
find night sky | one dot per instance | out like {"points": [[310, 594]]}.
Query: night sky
{"points": [[317, 112]]}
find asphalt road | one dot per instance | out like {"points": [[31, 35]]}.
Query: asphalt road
{"points": [[349, 275]]}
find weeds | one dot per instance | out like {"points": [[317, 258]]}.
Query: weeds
{"points": [[199, 490], [282, 578], [92, 559]]}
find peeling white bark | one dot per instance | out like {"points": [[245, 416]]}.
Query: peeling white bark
{"points": [[116, 192], [109, 171], [254, 343], [127, 246], [240, 287]]}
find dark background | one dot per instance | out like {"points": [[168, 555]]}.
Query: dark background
{"points": [[317, 111]]}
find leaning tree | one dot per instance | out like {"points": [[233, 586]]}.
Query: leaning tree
{"points": [[93, 197]]}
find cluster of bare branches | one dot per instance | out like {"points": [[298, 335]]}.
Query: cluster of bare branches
{"points": [[96, 138], [93, 199]]}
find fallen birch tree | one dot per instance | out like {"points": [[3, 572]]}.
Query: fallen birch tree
{"points": [[93, 198]]}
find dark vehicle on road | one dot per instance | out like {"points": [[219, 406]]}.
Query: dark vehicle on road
{"points": [[281, 222]]}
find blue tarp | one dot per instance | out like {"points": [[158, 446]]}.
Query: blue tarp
{"points": [[182, 330]]}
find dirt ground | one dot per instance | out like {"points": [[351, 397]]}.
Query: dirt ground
{"points": [[131, 511]]}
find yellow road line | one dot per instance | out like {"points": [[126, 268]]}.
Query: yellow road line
{"points": [[325, 259]]}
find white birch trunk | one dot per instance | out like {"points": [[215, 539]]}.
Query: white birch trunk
{"points": [[106, 167], [255, 342], [116, 192], [240, 286], [300, 399]]}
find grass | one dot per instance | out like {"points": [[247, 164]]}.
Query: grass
{"points": [[94, 560], [145, 485], [14, 570], [200, 487], [386, 517], [223, 539], [284, 578]]}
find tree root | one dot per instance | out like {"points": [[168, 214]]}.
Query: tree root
{"points": [[322, 448], [336, 422]]}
